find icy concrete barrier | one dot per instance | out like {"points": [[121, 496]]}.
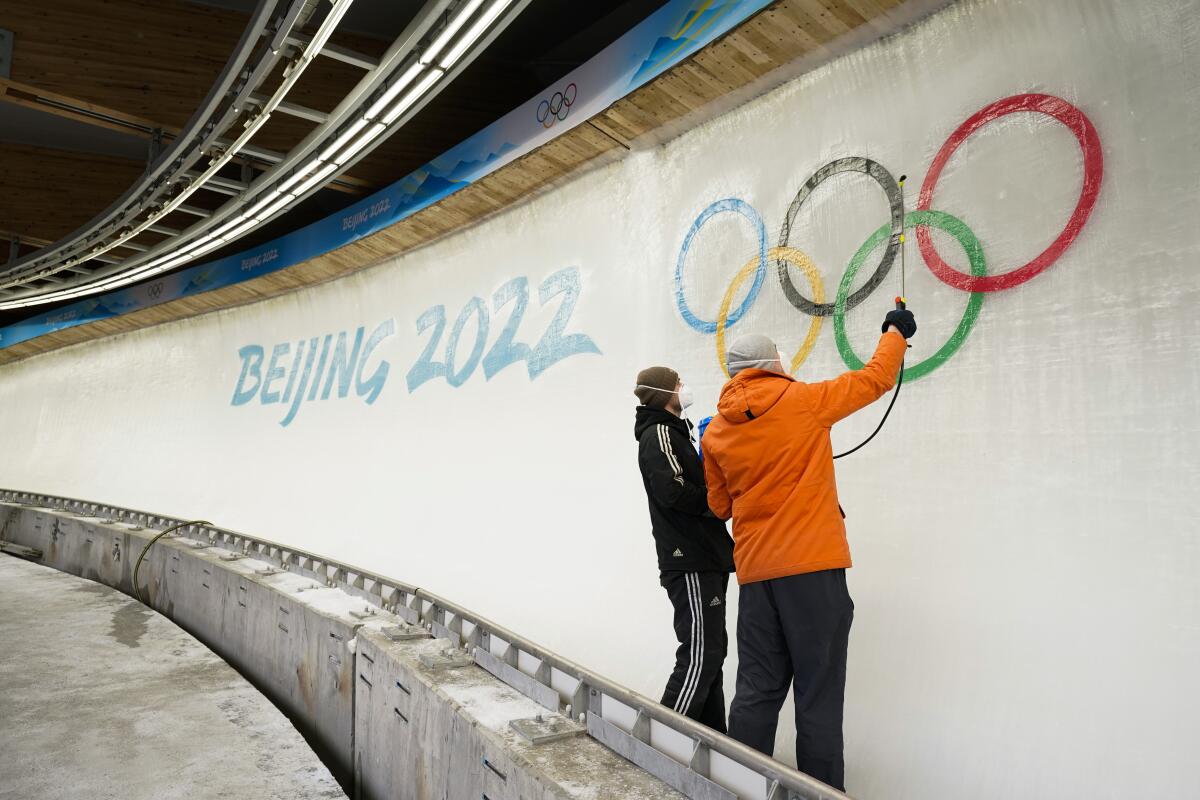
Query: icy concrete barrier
{"points": [[402, 693]]}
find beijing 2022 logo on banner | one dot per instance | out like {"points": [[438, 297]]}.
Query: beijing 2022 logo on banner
{"points": [[890, 236]]}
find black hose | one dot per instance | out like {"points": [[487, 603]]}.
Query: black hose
{"points": [[879, 427], [145, 549]]}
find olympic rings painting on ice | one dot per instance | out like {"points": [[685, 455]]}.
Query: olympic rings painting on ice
{"points": [[891, 236]]}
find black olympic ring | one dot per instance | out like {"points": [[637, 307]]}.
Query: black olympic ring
{"points": [[890, 188]]}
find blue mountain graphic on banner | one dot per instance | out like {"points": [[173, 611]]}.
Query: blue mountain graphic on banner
{"points": [[435, 180], [421, 186], [679, 43], [120, 302], [463, 170]]}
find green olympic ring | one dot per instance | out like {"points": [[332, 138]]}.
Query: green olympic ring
{"points": [[974, 250]]}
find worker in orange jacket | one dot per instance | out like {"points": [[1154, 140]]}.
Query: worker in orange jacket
{"points": [[768, 464]]}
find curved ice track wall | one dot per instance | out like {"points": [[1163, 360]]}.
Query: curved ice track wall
{"points": [[1023, 529], [402, 693]]}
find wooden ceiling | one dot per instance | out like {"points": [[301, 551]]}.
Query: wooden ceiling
{"points": [[786, 31], [26, 173], [108, 57], [111, 53]]}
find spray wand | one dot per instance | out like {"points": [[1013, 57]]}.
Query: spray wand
{"points": [[901, 303]]}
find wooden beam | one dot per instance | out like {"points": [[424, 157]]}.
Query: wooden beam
{"points": [[113, 119], [8, 236], [60, 105], [150, 63], [156, 59]]}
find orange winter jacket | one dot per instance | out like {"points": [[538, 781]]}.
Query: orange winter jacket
{"points": [[768, 462]]}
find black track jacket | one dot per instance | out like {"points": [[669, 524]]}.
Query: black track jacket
{"points": [[686, 534]]}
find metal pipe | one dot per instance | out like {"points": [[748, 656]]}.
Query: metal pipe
{"points": [[137, 593]]}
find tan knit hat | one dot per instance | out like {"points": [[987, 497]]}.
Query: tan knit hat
{"points": [[655, 386]]}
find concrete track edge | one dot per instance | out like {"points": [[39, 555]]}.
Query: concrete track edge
{"points": [[403, 718], [396, 702]]}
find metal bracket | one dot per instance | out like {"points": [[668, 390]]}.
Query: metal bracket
{"points": [[544, 729], [404, 632], [410, 611], [539, 692], [440, 631], [779, 792], [155, 147], [637, 749], [448, 659]]}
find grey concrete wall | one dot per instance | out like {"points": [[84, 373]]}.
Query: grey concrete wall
{"points": [[392, 716]]}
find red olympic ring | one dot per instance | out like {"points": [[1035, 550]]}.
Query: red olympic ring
{"points": [[1093, 173]]}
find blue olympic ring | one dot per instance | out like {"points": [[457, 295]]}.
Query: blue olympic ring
{"points": [[747, 211]]}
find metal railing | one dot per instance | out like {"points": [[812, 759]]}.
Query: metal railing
{"points": [[714, 767]]}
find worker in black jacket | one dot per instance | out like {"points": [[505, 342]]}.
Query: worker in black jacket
{"points": [[695, 552]]}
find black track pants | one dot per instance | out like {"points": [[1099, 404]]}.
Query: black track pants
{"points": [[794, 631], [695, 687]]}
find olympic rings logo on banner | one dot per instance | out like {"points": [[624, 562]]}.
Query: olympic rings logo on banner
{"points": [[557, 107], [891, 237]]}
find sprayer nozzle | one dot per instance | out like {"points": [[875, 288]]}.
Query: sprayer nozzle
{"points": [[903, 178]]}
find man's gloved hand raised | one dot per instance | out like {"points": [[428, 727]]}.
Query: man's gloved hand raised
{"points": [[904, 321]]}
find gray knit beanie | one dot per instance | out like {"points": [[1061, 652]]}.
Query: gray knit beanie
{"points": [[752, 351], [655, 386]]}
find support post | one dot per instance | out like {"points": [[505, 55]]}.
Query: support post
{"points": [[154, 148]]}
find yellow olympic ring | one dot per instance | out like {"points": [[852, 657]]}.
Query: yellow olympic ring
{"points": [[791, 256]]}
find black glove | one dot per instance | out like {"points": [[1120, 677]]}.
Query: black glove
{"points": [[904, 321]]}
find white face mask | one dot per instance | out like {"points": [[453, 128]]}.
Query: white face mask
{"points": [[685, 396], [685, 393]]}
